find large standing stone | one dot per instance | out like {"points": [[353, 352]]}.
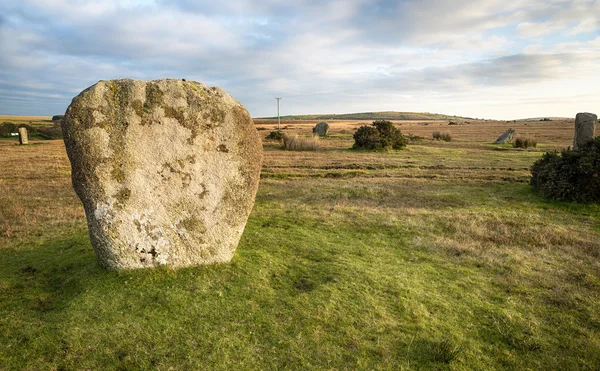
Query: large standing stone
{"points": [[167, 171], [321, 129], [23, 136], [585, 126], [506, 137]]}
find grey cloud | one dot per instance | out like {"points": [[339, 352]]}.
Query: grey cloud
{"points": [[319, 54]]}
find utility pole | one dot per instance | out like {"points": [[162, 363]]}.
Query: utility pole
{"points": [[278, 118]]}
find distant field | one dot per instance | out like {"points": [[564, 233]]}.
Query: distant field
{"points": [[386, 115], [438, 256], [29, 120], [559, 133]]}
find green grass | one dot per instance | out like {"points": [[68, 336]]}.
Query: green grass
{"points": [[384, 269]]}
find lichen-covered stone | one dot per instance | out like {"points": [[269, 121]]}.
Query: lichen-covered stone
{"points": [[506, 137], [23, 139], [321, 129], [585, 127], [167, 171]]}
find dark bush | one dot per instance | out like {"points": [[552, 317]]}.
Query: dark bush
{"points": [[275, 135], [521, 142], [569, 175], [53, 132], [57, 117], [6, 128], [381, 135]]}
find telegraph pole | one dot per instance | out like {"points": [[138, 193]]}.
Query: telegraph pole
{"points": [[278, 118]]}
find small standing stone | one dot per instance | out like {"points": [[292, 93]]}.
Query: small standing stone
{"points": [[321, 129], [506, 137], [23, 136], [585, 126]]}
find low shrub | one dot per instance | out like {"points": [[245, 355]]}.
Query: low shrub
{"points": [[521, 142], [6, 128], [569, 175], [379, 136], [292, 142], [53, 132], [57, 117], [446, 137], [275, 135]]}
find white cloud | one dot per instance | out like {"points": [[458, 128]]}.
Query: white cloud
{"points": [[348, 55]]}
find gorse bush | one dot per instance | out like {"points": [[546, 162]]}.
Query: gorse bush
{"points": [[293, 142], [6, 128], [521, 142], [446, 137], [275, 135], [381, 135], [569, 175]]}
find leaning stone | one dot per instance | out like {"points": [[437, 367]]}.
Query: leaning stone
{"points": [[321, 129], [585, 126], [23, 136], [506, 137], [167, 171]]}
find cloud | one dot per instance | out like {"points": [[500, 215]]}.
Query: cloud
{"points": [[341, 54]]}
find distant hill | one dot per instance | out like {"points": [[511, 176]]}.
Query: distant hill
{"points": [[387, 115], [546, 118]]}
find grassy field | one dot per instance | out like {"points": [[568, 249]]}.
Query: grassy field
{"points": [[435, 257], [29, 120]]}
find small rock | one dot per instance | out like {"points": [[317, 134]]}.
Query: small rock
{"points": [[23, 136], [506, 137], [321, 129]]}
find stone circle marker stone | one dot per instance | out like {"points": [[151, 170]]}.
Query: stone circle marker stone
{"points": [[23, 136], [506, 137], [321, 129], [167, 171], [585, 126]]}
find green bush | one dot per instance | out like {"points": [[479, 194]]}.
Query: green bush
{"points": [[569, 175], [275, 135], [381, 135], [521, 142]]}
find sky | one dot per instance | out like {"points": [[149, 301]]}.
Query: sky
{"points": [[492, 59]]}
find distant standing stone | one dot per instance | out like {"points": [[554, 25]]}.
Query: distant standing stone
{"points": [[23, 136], [321, 129], [506, 137], [585, 126], [167, 171]]}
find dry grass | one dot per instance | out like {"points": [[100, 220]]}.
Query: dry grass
{"points": [[446, 137], [293, 142], [522, 142], [36, 190]]}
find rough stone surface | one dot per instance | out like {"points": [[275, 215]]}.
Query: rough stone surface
{"points": [[585, 126], [321, 129], [167, 171], [506, 137], [23, 136]]}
